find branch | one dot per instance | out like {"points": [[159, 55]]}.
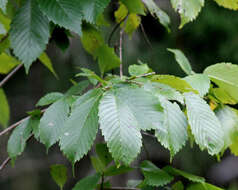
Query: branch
{"points": [[120, 53], [5, 162], [10, 75]]}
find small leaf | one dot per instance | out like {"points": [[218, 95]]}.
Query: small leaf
{"points": [[80, 129], [17, 141], [88, 183], [49, 98], [136, 70], [65, 13], [121, 13], [182, 61], [29, 33], [178, 186], [154, 176], [3, 5], [172, 134], [230, 4], [131, 24], [59, 174], [158, 13], [103, 154], [174, 82], [97, 164], [199, 82], [134, 6], [5, 23], [188, 10], [45, 60], [205, 126], [203, 186], [223, 96], [7, 63], [225, 75], [52, 122], [114, 170], [177, 172], [4, 109], [78, 88]]}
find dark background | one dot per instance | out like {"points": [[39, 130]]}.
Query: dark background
{"points": [[210, 39]]}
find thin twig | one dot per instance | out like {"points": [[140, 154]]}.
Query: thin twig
{"points": [[10, 75], [120, 53], [13, 126], [143, 75], [5, 162], [148, 134]]}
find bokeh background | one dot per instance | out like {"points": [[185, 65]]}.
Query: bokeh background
{"points": [[210, 39]]}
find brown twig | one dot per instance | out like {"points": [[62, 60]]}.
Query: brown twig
{"points": [[120, 53], [10, 75], [5, 162]]}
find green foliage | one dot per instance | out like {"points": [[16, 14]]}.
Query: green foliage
{"points": [[3, 5], [231, 4], [205, 126], [153, 175], [203, 186], [47, 62], [4, 109], [29, 33], [182, 61], [7, 63], [134, 6], [88, 183], [49, 98], [137, 70], [59, 174]]}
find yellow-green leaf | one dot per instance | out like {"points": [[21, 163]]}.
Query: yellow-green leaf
{"points": [[4, 109], [45, 60], [134, 6], [132, 23], [7, 63], [230, 4]]}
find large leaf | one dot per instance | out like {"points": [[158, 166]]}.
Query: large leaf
{"points": [[18, 138], [223, 96], [49, 98], [158, 13], [52, 122], [59, 174], [65, 13], [173, 133], [88, 183], [204, 124], [7, 63], [134, 6], [199, 82], [81, 127], [154, 176], [119, 127], [177, 172], [3, 5], [230, 4], [29, 33], [188, 10], [92, 9], [182, 61], [174, 82], [4, 109], [225, 75]]}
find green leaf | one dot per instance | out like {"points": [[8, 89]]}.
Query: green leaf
{"points": [[134, 6], [188, 10], [174, 82], [88, 183], [59, 174], [5, 44], [107, 58], [229, 121], [78, 88], [199, 82], [131, 24], [5, 23], [3, 5], [103, 154], [45, 60], [7, 63], [34, 123], [114, 170], [182, 61], [121, 13], [4, 109], [230, 4], [225, 75], [49, 98], [52, 122], [119, 127], [177, 172], [154, 176], [223, 96], [136, 70], [92, 9], [29, 33], [162, 90], [97, 164], [156, 12], [81, 127], [203, 186], [172, 134], [205, 126], [17, 141], [65, 13], [178, 186]]}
